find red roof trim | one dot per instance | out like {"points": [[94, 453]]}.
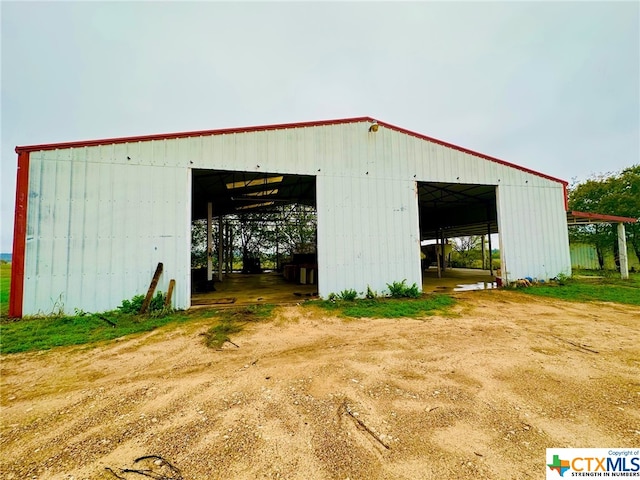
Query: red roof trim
{"points": [[19, 237], [472, 152], [199, 133], [600, 216], [168, 136]]}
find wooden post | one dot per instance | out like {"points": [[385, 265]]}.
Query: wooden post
{"points": [[209, 242], [622, 252], [167, 301], [152, 288]]}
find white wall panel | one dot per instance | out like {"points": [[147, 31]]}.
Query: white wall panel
{"points": [[533, 232], [367, 234], [97, 231]]}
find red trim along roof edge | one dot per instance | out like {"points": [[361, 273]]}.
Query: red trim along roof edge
{"points": [[472, 152], [600, 216], [168, 136], [198, 133]]}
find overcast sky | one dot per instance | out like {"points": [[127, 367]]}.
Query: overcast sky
{"points": [[551, 86]]}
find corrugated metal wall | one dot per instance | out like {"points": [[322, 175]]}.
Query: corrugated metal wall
{"points": [[101, 217], [584, 256], [96, 231], [533, 232], [367, 234]]}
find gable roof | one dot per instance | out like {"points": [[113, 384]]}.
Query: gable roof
{"points": [[282, 126]]}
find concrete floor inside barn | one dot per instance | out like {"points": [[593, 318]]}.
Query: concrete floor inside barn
{"points": [[251, 289]]}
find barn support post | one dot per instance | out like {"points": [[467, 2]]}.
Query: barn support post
{"points": [[228, 255], [442, 250], [438, 255], [484, 252], [490, 255], [220, 247], [209, 242], [230, 258], [622, 251]]}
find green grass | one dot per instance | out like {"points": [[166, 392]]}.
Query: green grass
{"points": [[387, 307], [5, 282], [44, 333], [232, 321], [609, 288]]}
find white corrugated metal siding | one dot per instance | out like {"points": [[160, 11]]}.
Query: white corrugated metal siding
{"points": [[533, 232], [96, 231], [367, 234], [101, 217]]}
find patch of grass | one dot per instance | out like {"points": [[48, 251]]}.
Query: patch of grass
{"points": [[387, 307], [348, 295], [401, 290], [5, 283], [44, 333], [609, 288], [232, 321]]}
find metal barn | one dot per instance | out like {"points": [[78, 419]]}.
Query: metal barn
{"points": [[93, 218]]}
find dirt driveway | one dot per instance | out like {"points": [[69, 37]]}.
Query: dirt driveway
{"points": [[479, 393]]}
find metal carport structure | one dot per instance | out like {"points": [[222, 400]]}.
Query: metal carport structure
{"points": [[93, 218]]}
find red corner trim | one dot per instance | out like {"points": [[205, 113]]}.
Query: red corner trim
{"points": [[19, 236]]}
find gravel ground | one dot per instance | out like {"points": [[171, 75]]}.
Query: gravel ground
{"points": [[478, 393]]}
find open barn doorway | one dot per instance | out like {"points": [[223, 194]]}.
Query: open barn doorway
{"points": [[459, 239], [254, 237]]}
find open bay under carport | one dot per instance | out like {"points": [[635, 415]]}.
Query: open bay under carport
{"points": [[272, 288], [453, 210]]}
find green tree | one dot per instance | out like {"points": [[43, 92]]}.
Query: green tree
{"points": [[611, 194], [467, 249], [259, 236]]}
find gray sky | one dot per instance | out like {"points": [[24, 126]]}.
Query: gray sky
{"points": [[551, 86]]}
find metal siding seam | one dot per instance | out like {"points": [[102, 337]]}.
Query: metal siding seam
{"points": [[69, 234], [42, 213], [530, 230], [34, 214], [53, 237], [82, 232], [114, 261], [384, 240], [551, 234], [63, 194], [524, 236]]}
